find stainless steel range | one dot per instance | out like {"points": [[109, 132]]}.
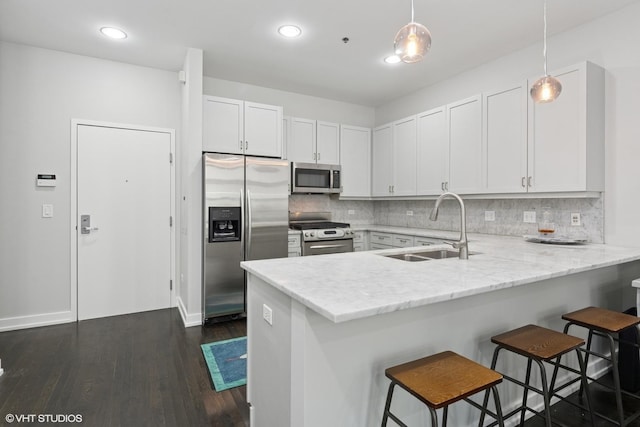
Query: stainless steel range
{"points": [[320, 235]]}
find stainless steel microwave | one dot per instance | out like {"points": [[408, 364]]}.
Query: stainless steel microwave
{"points": [[315, 178]]}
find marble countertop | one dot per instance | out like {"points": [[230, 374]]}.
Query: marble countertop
{"points": [[349, 286]]}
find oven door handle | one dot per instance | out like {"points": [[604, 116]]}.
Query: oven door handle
{"points": [[326, 246]]}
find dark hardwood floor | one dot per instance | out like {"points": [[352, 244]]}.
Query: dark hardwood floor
{"points": [[143, 369], [146, 369]]}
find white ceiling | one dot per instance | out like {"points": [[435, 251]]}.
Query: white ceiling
{"points": [[240, 42]]}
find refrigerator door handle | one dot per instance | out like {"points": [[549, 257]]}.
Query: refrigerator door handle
{"points": [[249, 224], [242, 222]]}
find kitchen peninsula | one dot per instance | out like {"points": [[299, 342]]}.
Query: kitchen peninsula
{"points": [[323, 329]]}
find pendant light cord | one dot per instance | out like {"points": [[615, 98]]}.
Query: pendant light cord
{"points": [[544, 48], [412, 20]]}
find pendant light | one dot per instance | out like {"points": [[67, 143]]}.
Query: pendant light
{"points": [[412, 42], [546, 88]]}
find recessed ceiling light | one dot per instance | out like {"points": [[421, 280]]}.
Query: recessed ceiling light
{"points": [[113, 33], [289, 31], [393, 59]]}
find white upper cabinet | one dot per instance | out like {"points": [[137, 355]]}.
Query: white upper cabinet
{"points": [[314, 141], [355, 156], [465, 146], [327, 143], [382, 152], [301, 145], [404, 157], [262, 130], [241, 127], [432, 151], [394, 159], [223, 125], [566, 136], [505, 139]]}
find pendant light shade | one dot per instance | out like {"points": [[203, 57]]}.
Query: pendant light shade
{"points": [[412, 42], [546, 88]]}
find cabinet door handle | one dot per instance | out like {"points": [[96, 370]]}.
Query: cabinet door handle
{"points": [[318, 156], [246, 145], [529, 181], [442, 186], [523, 183], [240, 145]]}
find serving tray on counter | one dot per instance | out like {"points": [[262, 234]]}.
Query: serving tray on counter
{"points": [[557, 240]]}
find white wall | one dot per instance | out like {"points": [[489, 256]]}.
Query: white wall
{"points": [[40, 92], [294, 104], [610, 42], [190, 279]]}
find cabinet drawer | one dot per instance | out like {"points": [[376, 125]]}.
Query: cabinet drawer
{"points": [[294, 241], [402, 241], [384, 238], [294, 253], [358, 247], [375, 246], [358, 237], [427, 241]]}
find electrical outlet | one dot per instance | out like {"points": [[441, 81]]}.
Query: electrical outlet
{"points": [[575, 218], [409, 213], [267, 314], [351, 212], [489, 215], [529, 216], [47, 211]]}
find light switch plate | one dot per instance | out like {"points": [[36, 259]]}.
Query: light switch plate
{"points": [[47, 211], [409, 213], [351, 212], [489, 215]]}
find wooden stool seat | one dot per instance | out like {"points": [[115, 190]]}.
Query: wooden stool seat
{"points": [[440, 380], [538, 342], [602, 319], [443, 378]]}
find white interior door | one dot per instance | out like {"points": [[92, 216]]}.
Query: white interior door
{"points": [[124, 185]]}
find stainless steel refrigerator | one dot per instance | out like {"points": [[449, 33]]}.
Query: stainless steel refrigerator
{"points": [[246, 216]]}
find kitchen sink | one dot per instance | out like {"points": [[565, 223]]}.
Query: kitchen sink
{"points": [[409, 257], [427, 255]]}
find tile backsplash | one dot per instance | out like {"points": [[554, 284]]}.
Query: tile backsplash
{"points": [[508, 214]]}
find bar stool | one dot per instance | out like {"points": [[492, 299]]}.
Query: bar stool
{"points": [[606, 324], [539, 345], [441, 380]]}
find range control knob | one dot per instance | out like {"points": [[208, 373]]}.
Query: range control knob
{"points": [[306, 234], [313, 234]]}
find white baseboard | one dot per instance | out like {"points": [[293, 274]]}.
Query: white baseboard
{"points": [[189, 320], [35, 321]]}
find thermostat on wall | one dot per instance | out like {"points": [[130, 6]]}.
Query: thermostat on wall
{"points": [[46, 180]]}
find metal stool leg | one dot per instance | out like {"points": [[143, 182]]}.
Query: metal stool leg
{"points": [[485, 401], [434, 417], [445, 413], [387, 405], [545, 393], [616, 379], [585, 385], [496, 400], [526, 392]]}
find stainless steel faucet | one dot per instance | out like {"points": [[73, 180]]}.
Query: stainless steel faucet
{"points": [[462, 245]]}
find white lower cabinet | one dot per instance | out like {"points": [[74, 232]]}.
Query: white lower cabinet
{"points": [[359, 241], [294, 245]]}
